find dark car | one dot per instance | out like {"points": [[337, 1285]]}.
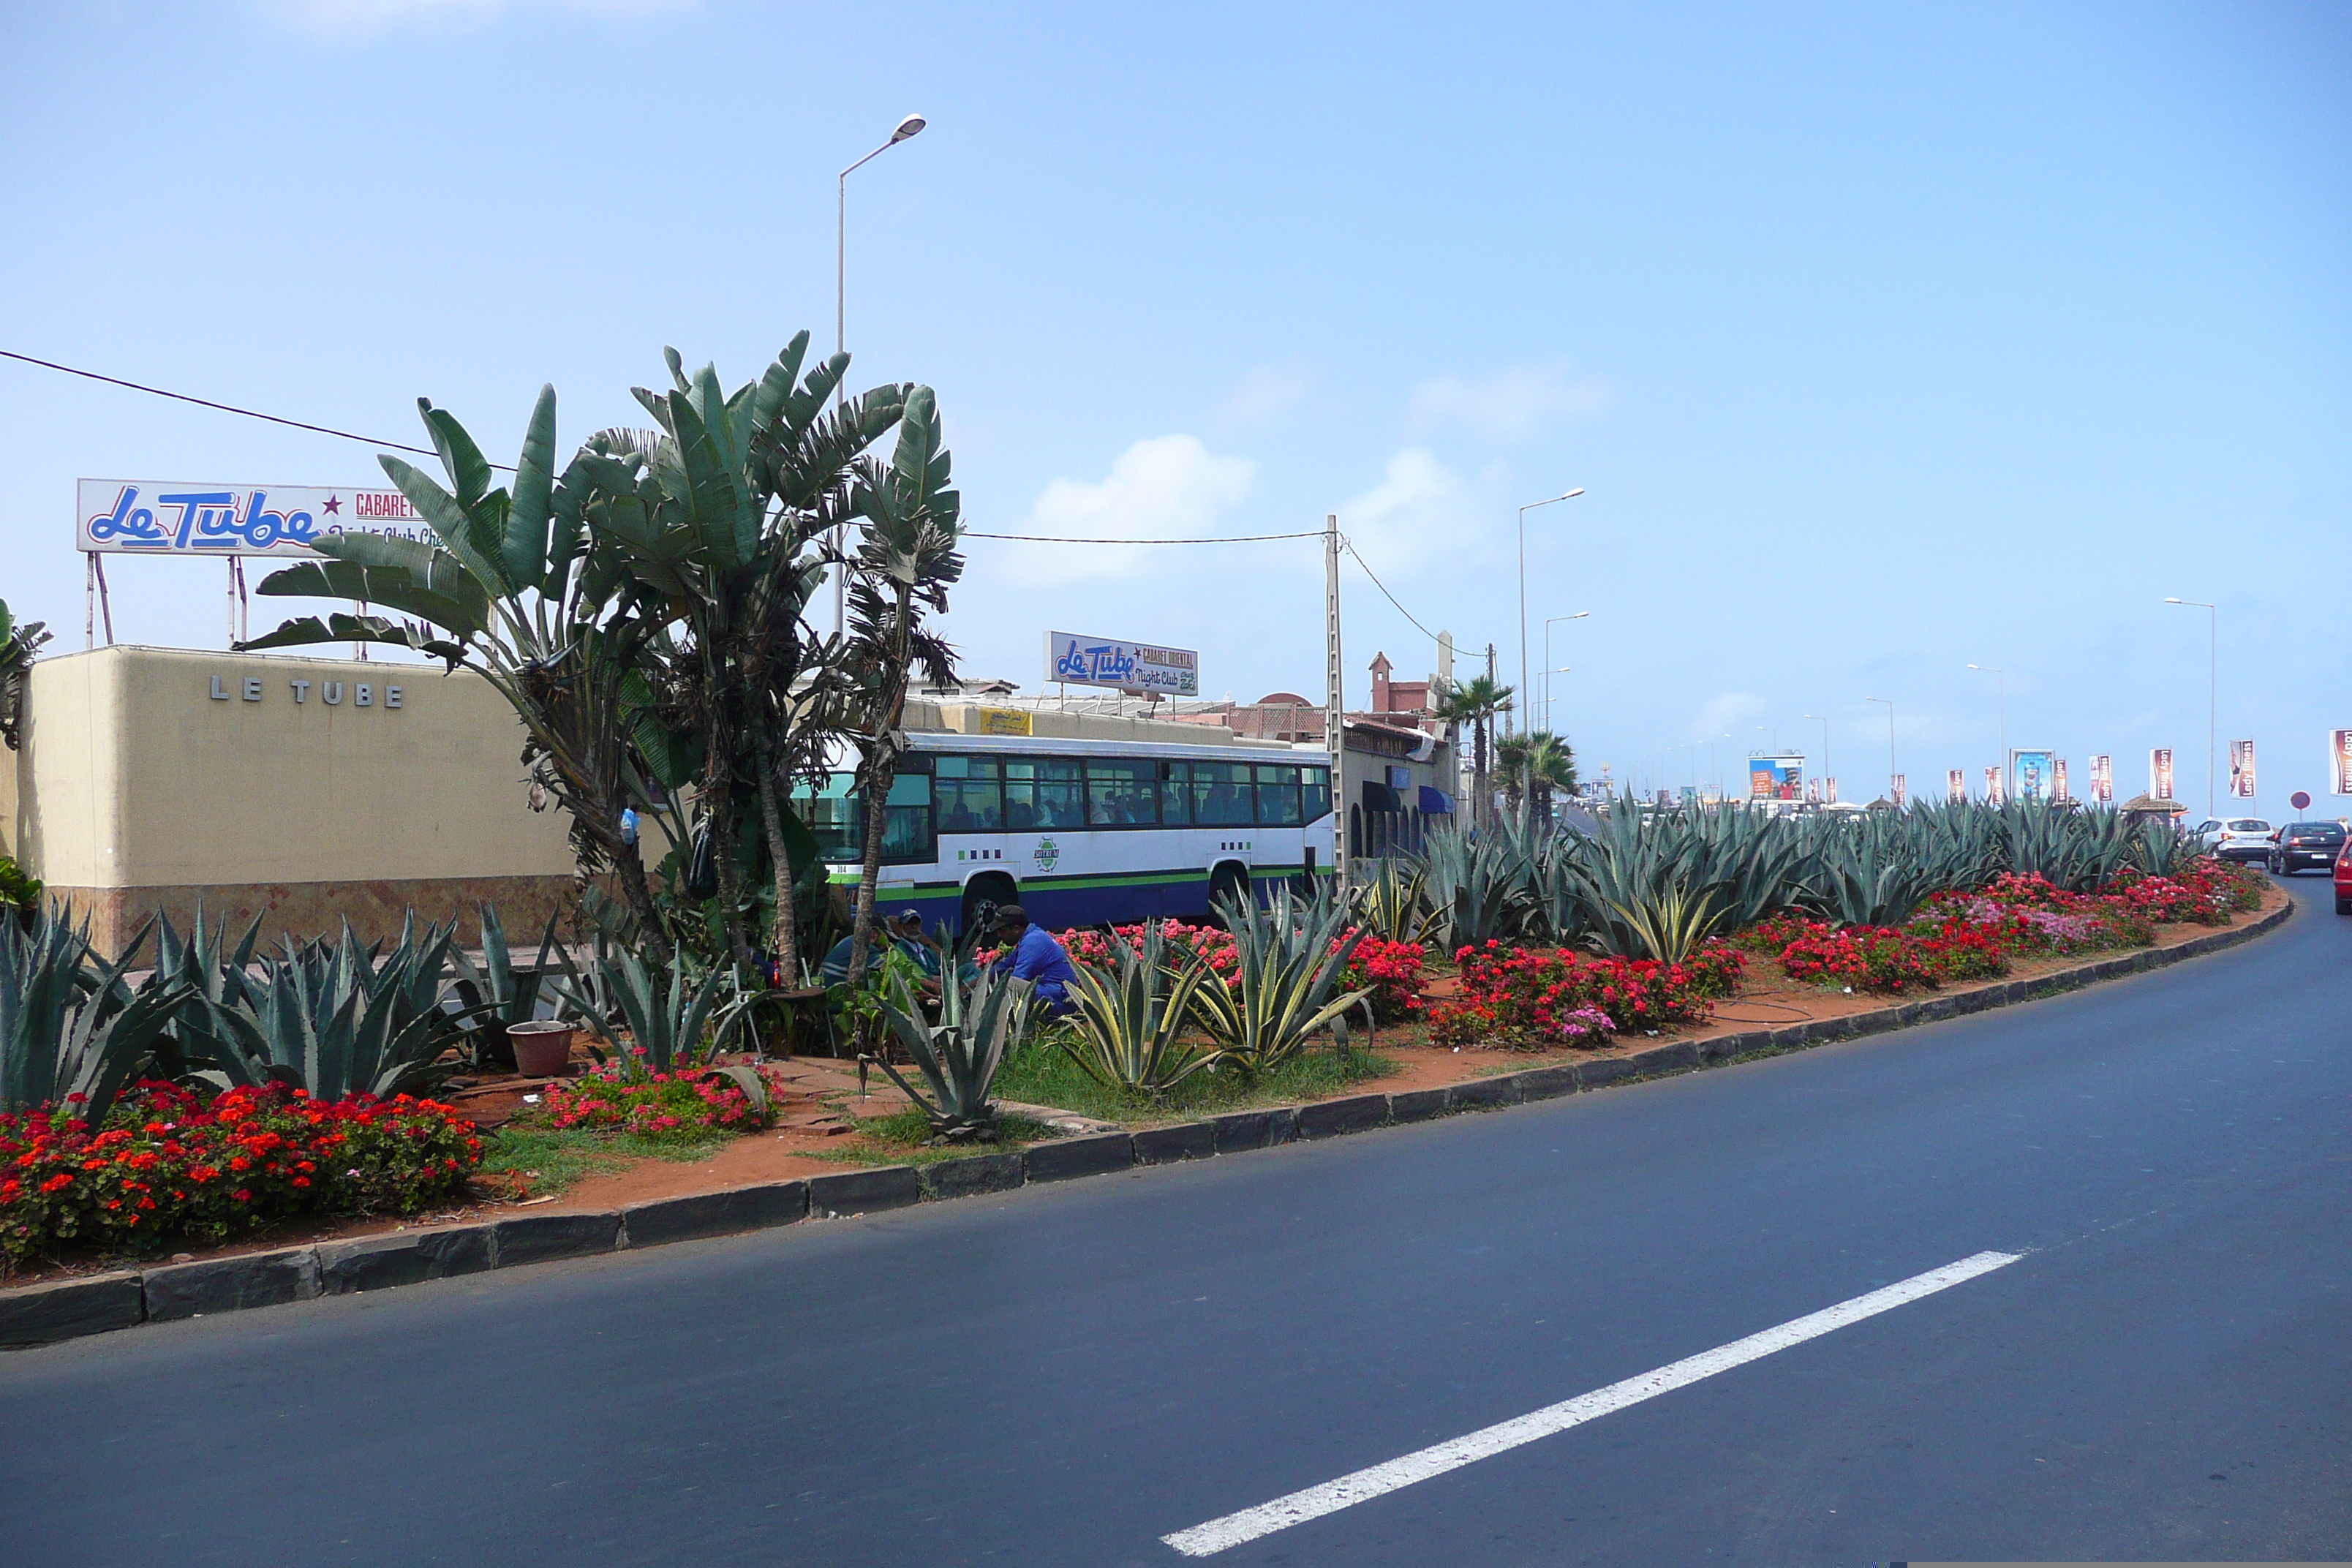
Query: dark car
{"points": [[2306, 844]]}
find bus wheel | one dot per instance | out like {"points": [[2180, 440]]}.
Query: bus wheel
{"points": [[1228, 884], [982, 897]]}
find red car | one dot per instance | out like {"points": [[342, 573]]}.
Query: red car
{"points": [[2344, 879]]}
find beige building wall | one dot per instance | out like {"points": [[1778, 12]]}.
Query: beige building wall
{"points": [[157, 778]]}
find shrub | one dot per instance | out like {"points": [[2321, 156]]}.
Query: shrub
{"points": [[1529, 996], [1392, 972], [685, 1107], [167, 1164]]}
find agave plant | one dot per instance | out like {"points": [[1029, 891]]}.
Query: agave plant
{"points": [[1670, 923], [1392, 904], [665, 1010], [1285, 983], [2159, 846], [979, 1025], [216, 975], [495, 994], [1476, 885], [342, 1018], [72, 1030], [1130, 1018]]}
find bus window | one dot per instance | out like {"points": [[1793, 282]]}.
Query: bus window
{"points": [[970, 796], [1121, 795], [1316, 793], [1175, 795], [1278, 795], [1221, 794], [1061, 794], [1019, 795], [833, 814]]}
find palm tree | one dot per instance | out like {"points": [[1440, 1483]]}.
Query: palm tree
{"points": [[1534, 765], [1474, 702]]}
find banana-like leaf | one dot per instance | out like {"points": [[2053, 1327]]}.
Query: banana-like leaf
{"points": [[524, 548]]}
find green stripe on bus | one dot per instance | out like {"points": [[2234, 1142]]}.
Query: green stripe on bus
{"points": [[1044, 879]]}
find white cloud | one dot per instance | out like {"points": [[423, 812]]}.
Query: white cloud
{"points": [[1169, 486], [370, 18], [1420, 511], [1509, 405], [1267, 393], [1728, 714]]}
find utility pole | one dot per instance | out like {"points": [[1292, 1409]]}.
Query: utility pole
{"points": [[1334, 722]]}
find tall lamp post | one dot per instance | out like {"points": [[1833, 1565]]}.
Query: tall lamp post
{"points": [[2212, 687], [2007, 784], [1824, 774], [1890, 744], [908, 126], [1527, 693], [1549, 671]]}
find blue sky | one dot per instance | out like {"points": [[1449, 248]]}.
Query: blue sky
{"points": [[1884, 339]]}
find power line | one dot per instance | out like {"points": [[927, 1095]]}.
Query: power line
{"points": [[1349, 546], [1058, 539], [228, 408]]}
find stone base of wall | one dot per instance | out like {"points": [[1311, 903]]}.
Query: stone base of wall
{"points": [[305, 910]]}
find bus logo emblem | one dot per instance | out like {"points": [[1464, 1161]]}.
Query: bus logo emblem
{"points": [[1047, 852]]}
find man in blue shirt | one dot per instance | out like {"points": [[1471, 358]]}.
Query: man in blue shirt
{"points": [[1036, 957]]}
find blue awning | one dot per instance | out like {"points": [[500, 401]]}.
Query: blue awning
{"points": [[1435, 802]]}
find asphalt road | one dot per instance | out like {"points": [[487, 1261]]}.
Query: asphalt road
{"points": [[1069, 1373]]}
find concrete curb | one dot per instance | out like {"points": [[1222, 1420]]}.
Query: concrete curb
{"points": [[70, 1309]]}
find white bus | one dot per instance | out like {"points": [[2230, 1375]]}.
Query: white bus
{"points": [[1082, 832]]}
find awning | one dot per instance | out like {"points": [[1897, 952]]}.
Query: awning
{"points": [[1435, 802]]}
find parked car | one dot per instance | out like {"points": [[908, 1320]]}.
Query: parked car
{"points": [[2233, 838], [2301, 844], [2344, 879]]}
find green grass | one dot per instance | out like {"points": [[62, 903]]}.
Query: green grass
{"points": [[903, 1138], [554, 1160], [1042, 1074]]}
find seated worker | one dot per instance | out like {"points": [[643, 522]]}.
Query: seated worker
{"points": [[904, 931], [1037, 957]]}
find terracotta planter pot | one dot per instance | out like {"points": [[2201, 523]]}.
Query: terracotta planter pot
{"points": [[540, 1049]]}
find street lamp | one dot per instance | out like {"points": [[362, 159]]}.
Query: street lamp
{"points": [[911, 125], [2006, 782], [1549, 673], [1825, 752], [1890, 744], [2212, 686], [1531, 506]]}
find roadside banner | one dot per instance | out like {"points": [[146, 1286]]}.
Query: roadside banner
{"points": [[2159, 772], [2103, 779], [1957, 784], [1992, 787], [1829, 791], [2058, 779], [2242, 769], [2030, 773], [1902, 795], [2339, 761]]}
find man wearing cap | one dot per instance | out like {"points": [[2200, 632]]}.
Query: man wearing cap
{"points": [[1036, 957], [905, 931]]}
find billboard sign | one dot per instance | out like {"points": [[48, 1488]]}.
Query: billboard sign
{"points": [[2241, 770], [2339, 761], [2031, 771], [1776, 778], [149, 517], [1122, 665], [2159, 772], [2103, 779]]}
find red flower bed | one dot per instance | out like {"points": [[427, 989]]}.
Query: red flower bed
{"points": [[675, 1107], [1524, 996], [169, 1164], [1392, 969], [2203, 891]]}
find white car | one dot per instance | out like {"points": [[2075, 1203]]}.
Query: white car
{"points": [[2234, 837]]}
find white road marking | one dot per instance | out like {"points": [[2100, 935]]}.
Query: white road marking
{"points": [[1217, 1534]]}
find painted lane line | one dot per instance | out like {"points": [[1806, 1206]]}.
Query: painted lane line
{"points": [[1217, 1534]]}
